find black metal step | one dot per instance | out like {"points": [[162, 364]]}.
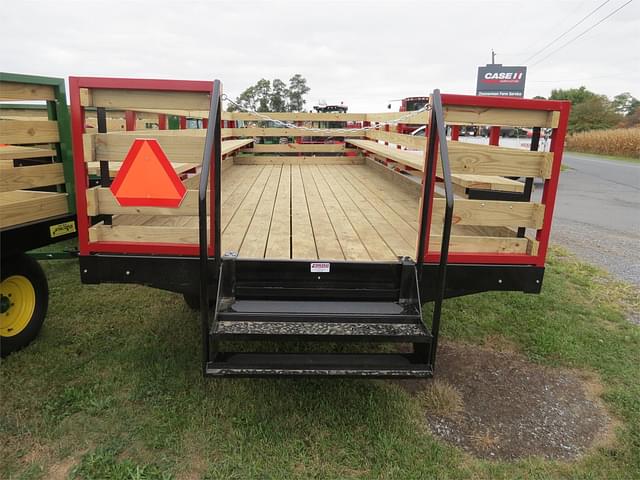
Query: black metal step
{"points": [[321, 331], [371, 365], [319, 311]]}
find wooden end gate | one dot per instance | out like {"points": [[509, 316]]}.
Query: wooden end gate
{"points": [[319, 236]]}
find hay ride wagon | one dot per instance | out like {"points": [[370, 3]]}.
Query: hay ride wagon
{"points": [[37, 203], [289, 249]]}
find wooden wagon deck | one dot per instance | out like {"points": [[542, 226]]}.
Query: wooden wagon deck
{"points": [[351, 195], [309, 211]]}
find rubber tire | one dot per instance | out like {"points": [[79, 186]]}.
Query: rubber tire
{"points": [[26, 266]]}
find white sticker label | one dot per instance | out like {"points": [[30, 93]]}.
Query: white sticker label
{"points": [[320, 267]]}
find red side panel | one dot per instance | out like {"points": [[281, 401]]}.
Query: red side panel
{"points": [[81, 171], [550, 186]]}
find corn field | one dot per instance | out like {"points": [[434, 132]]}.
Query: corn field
{"points": [[624, 142]]}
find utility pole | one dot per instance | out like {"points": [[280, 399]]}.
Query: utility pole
{"points": [[493, 57]]}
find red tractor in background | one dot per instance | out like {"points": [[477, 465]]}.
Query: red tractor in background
{"points": [[410, 104]]}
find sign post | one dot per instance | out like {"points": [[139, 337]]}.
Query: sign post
{"points": [[497, 80]]}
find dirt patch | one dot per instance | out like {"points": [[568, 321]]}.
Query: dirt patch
{"points": [[512, 408], [61, 470]]}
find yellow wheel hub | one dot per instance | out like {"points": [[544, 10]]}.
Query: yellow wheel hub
{"points": [[17, 303]]}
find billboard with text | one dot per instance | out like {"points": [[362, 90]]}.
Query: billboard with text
{"points": [[496, 80]]}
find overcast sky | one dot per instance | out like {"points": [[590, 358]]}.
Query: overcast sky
{"points": [[364, 53]]}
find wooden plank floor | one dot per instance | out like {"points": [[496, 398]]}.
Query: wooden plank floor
{"points": [[328, 212]]}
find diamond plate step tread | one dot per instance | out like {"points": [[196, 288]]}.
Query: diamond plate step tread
{"points": [[320, 329], [338, 372], [371, 365]]}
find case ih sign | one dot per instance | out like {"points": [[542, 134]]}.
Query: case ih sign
{"points": [[495, 80]]}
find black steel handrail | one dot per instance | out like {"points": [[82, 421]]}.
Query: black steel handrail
{"points": [[437, 139], [212, 150]]}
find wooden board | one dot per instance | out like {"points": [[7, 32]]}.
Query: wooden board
{"points": [[28, 131], [178, 148], [21, 206], [421, 118], [254, 243], [229, 146], [297, 116], [297, 147], [143, 233], [15, 152], [485, 182], [474, 244], [289, 132], [282, 160], [303, 236], [32, 176], [279, 238], [145, 99], [469, 158], [25, 91], [410, 158], [503, 117], [410, 141], [114, 167], [491, 213]]}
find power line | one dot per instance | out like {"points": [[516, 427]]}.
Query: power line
{"points": [[583, 33], [556, 26], [566, 32]]}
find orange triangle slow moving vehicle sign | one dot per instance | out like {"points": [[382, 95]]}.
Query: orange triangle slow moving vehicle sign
{"points": [[147, 178]]}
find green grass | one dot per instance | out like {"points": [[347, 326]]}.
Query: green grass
{"points": [[112, 389], [607, 157]]}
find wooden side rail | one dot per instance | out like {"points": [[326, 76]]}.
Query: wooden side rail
{"points": [[184, 147], [143, 99], [468, 158], [26, 91], [34, 151], [20, 132]]}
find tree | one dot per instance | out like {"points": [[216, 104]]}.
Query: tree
{"points": [[575, 95], [625, 104], [263, 94], [297, 90], [279, 96], [593, 114], [589, 111], [266, 96], [246, 100]]}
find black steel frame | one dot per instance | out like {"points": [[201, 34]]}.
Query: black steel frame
{"points": [[437, 140], [212, 151], [29, 236], [348, 280]]}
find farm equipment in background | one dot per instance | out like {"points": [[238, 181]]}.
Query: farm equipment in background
{"points": [[37, 201]]}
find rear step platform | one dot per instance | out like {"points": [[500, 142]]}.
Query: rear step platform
{"points": [[380, 365], [315, 331], [250, 315]]}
